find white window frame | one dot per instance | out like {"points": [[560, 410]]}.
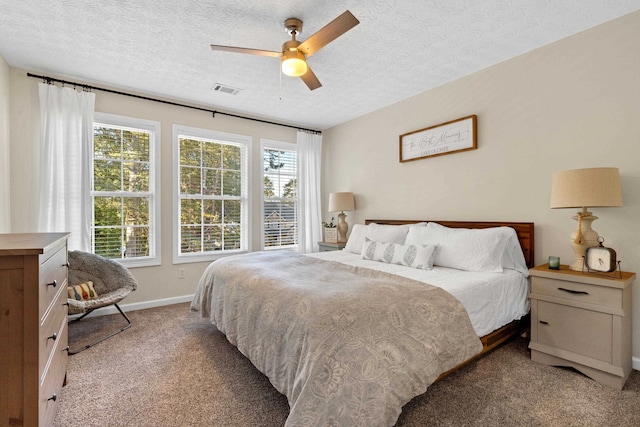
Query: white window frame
{"points": [[243, 141], [278, 145], [155, 139]]}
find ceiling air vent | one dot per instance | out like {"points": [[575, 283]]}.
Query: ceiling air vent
{"points": [[226, 89]]}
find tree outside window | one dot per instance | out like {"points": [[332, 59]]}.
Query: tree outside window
{"points": [[123, 188], [211, 195], [280, 195]]}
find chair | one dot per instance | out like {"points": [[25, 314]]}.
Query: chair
{"points": [[112, 283]]}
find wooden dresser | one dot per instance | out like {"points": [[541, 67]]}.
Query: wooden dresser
{"points": [[583, 321], [33, 326]]}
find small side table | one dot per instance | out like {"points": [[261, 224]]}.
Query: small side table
{"points": [[583, 321], [326, 246]]}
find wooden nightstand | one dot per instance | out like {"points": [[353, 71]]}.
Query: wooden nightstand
{"points": [[583, 321], [326, 246]]}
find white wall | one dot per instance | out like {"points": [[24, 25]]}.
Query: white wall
{"points": [[154, 282], [571, 104], [5, 185]]}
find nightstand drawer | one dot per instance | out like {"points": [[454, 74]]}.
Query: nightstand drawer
{"points": [[584, 332], [577, 292]]}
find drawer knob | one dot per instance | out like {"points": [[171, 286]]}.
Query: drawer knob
{"points": [[66, 349], [52, 337], [54, 397], [54, 283]]}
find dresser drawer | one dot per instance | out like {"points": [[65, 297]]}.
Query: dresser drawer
{"points": [[53, 380], [577, 292], [52, 326], [585, 332], [53, 270]]}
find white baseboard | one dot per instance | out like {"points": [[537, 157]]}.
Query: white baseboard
{"points": [[635, 363], [137, 306]]}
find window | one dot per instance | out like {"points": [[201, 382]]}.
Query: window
{"points": [[125, 189], [212, 193], [280, 195]]}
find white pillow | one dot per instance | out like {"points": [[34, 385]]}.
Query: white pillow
{"points": [[464, 248], [417, 235], [513, 258], [416, 256], [387, 233], [356, 239], [378, 232]]}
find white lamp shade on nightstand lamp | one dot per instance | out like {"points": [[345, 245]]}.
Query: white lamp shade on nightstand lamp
{"points": [[340, 202], [585, 188]]}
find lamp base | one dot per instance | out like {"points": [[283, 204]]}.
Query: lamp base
{"points": [[343, 227], [589, 239]]}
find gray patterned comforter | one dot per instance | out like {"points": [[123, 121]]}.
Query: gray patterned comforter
{"points": [[348, 346]]}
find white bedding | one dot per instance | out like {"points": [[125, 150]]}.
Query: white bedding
{"points": [[491, 299]]}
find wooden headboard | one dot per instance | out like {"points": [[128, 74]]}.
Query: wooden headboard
{"points": [[524, 230]]}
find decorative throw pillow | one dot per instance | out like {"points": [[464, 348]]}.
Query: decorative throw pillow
{"points": [[416, 256], [82, 291]]}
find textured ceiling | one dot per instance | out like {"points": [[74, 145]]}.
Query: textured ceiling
{"points": [[401, 48]]}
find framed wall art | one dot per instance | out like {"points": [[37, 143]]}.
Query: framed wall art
{"points": [[445, 138]]}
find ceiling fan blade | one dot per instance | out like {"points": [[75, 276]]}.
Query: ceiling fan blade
{"points": [[328, 33], [246, 50], [309, 78]]}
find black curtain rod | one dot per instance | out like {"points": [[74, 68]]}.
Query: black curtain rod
{"points": [[51, 80]]}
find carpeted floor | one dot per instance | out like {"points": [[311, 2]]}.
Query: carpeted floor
{"points": [[172, 368]]}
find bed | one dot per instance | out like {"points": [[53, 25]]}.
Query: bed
{"points": [[350, 338]]}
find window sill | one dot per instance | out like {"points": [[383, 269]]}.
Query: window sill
{"points": [[136, 263], [189, 259]]}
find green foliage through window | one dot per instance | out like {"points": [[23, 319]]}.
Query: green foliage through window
{"points": [[280, 198], [121, 191], [211, 193]]}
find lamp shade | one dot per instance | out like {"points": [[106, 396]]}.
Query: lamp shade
{"points": [[582, 188], [343, 201]]}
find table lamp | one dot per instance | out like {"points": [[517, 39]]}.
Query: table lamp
{"points": [[585, 188], [340, 202]]}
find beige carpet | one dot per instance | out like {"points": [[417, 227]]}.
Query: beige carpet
{"points": [[172, 368]]}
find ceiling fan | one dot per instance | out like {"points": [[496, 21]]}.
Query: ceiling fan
{"points": [[294, 54]]}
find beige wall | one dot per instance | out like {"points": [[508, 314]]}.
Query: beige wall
{"points": [[5, 188], [572, 104], [154, 282]]}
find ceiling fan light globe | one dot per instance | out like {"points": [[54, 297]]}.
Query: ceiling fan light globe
{"points": [[293, 63]]}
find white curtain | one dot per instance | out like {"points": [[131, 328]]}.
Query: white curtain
{"points": [[66, 135], [309, 208]]}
